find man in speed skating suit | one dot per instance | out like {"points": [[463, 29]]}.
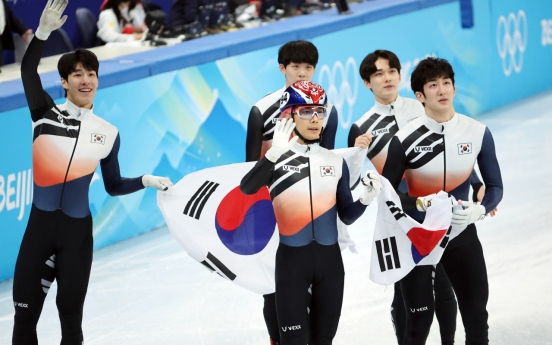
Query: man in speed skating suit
{"points": [[309, 188], [69, 141], [437, 151]]}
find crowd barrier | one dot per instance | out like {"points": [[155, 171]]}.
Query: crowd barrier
{"points": [[184, 108]]}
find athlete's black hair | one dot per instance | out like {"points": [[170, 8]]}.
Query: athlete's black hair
{"points": [[114, 5], [430, 69], [368, 65], [67, 64], [299, 52]]}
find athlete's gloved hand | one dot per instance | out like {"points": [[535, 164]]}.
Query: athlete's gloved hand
{"points": [[468, 214], [161, 183], [372, 187], [280, 141], [51, 19], [423, 202]]}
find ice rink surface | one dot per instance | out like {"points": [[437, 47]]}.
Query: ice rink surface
{"points": [[147, 290]]}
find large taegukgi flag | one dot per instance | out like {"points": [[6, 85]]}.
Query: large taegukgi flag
{"points": [[231, 233], [400, 243]]}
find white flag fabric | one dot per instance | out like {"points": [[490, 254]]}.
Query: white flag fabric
{"points": [[400, 243], [231, 233]]}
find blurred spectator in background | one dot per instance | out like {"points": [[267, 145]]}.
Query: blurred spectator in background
{"points": [[183, 12], [9, 24], [121, 21], [199, 17]]}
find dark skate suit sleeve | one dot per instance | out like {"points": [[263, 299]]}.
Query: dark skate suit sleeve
{"points": [[113, 182], [476, 183], [254, 139], [490, 172], [257, 177], [354, 133], [393, 170], [39, 101], [347, 209], [328, 137]]}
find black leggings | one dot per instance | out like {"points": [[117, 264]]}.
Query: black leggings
{"points": [[296, 269], [464, 265], [445, 308], [55, 246], [270, 316]]}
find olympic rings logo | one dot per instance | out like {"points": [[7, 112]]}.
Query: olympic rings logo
{"points": [[511, 38], [344, 93]]}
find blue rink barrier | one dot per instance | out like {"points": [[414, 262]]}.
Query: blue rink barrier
{"points": [[184, 108]]}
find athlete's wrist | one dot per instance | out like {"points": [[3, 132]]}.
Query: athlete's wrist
{"points": [[42, 34]]}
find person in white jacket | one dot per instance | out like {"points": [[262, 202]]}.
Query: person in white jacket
{"points": [[121, 21]]}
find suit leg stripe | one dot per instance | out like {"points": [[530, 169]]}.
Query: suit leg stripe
{"points": [[46, 283], [51, 264]]}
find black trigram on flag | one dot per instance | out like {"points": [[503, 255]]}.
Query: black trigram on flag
{"points": [[211, 261], [388, 255], [199, 199], [445, 240]]}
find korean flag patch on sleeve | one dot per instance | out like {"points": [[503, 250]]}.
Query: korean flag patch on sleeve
{"points": [[327, 171]]}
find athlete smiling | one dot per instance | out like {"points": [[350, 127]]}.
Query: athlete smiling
{"points": [[69, 141]]}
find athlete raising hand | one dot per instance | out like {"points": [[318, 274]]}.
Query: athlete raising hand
{"points": [[69, 141]]}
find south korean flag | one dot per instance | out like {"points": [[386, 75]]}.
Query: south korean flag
{"points": [[230, 233], [400, 242]]}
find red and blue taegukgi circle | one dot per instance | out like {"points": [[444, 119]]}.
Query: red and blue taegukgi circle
{"points": [[245, 223]]}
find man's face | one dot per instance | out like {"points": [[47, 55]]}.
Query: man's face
{"points": [[384, 82], [438, 95], [310, 128], [297, 72], [81, 86]]}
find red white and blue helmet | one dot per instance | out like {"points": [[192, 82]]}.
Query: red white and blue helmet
{"points": [[303, 93]]}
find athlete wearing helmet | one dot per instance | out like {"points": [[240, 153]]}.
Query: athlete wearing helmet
{"points": [[296, 61], [309, 188]]}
